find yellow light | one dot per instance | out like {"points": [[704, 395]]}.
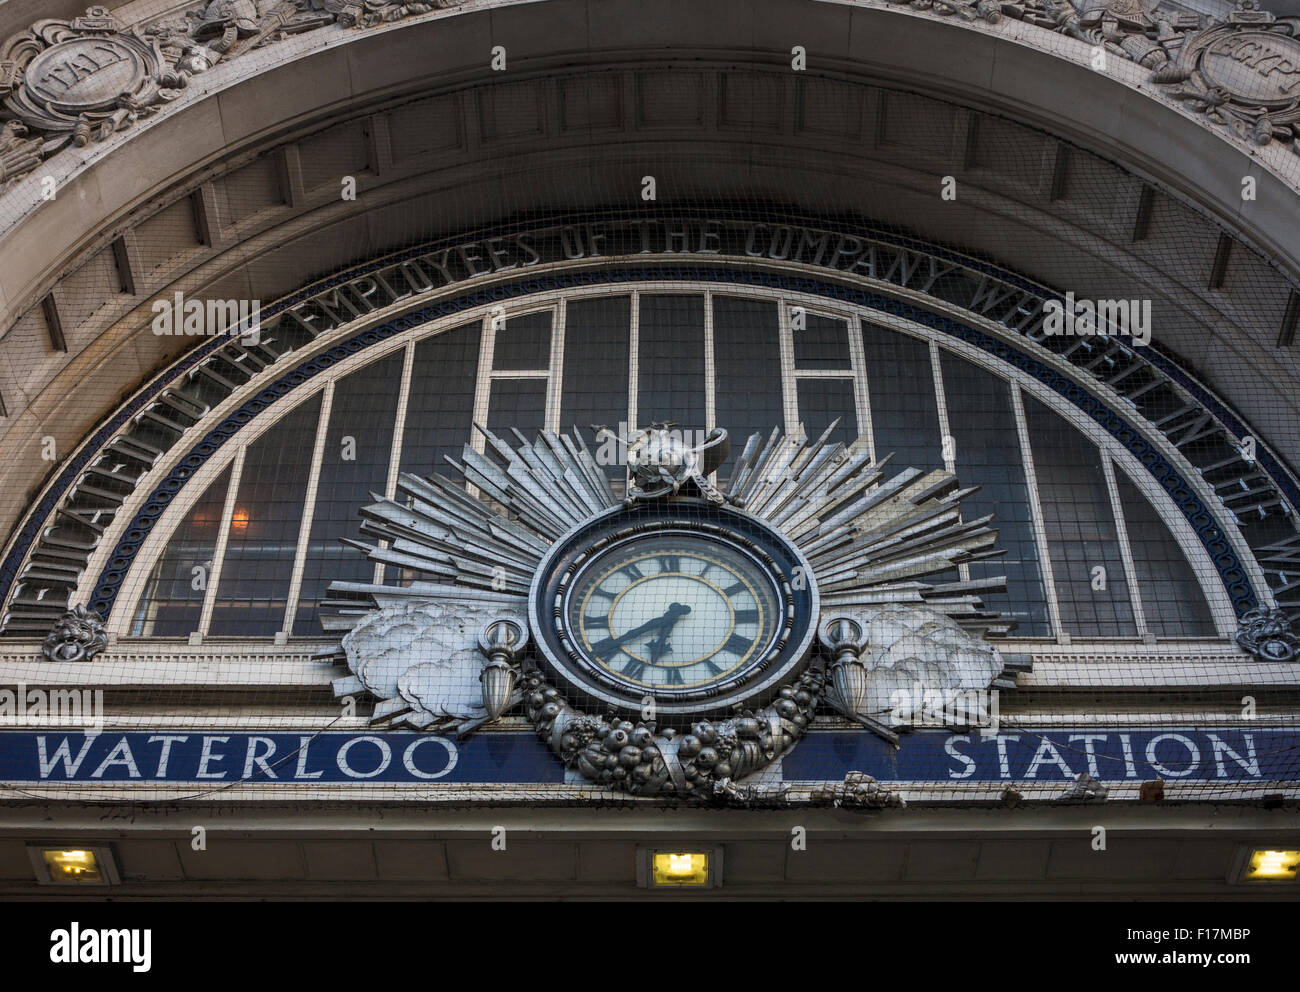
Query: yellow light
{"points": [[679, 869], [1274, 865], [72, 866]]}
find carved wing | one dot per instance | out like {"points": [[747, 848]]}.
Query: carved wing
{"points": [[910, 646], [421, 660]]}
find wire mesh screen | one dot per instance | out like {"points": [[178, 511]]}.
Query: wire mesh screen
{"points": [[785, 487]]}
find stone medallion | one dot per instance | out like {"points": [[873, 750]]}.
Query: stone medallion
{"points": [[1257, 67], [84, 78]]}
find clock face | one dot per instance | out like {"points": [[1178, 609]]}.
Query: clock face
{"points": [[674, 611], [693, 606]]}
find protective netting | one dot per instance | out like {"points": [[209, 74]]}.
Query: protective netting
{"points": [[827, 266]]}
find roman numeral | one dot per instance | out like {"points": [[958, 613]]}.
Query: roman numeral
{"points": [[674, 677], [632, 572], [747, 616], [736, 644], [603, 593], [738, 588], [597, 623], [634, 669], [608, 647], [670, 563]]}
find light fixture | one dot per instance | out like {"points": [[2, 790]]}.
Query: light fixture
{"points": [[679, 869], [239, 521], [1267, 865], [73, 864]]}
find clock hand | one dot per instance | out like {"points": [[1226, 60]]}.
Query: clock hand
{"points": [[660, 644], [675, 611]]}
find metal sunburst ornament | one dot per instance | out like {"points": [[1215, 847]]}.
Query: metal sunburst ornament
{"points": [[680, 639]]}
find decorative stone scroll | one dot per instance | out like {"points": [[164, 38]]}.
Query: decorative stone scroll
{"points": [[76, 81], [1242, 74], [83, 80]]}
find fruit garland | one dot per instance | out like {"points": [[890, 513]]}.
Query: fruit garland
{"points": [[635, 758]]}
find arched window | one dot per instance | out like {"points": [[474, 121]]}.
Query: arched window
{"points": [[1090, 546]]}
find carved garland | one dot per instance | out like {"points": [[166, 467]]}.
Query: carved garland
{"points": [[634, 757]]}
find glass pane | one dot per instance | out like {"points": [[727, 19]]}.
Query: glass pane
{"points": [[1172, 600], [822, 343], [519, 403], [264, 527], [904, 413], [671, 357], [353, 465], [523, 343], [173, 599], [823, 400], [987, 449], [747, 355], [1081, 534], [595, 370], [440, 408]]}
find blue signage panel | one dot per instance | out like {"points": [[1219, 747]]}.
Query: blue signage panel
{"points": [[1017, 755], [1014, 755], [222, 757]]}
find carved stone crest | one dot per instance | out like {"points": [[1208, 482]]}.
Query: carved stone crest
{"points": [[83, 79], [1241, 72], [1267, 635], [662, 462], [78, 636]]}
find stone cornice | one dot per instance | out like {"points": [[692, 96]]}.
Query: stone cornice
{"points": [[1168, 55]]}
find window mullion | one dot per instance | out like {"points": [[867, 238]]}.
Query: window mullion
{"points": [[555, 376], [861, 387], [1036, 508], [633, 378], [1125, 551], [308, 509], [947, 445], [710, 368], [483, 384], [483, 378], [789, 377], [223, 537], [399, 435]]}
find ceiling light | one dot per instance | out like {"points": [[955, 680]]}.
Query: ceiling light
{"points": [[73, 865], [1266, 865], [679, 869]]}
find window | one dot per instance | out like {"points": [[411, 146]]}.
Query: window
{"points": [[748, 362], [1087, 564]]}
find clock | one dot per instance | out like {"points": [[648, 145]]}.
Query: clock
{"points": [[694, 606]]}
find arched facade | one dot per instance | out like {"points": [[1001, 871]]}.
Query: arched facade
{"points": [[819, 223]]}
